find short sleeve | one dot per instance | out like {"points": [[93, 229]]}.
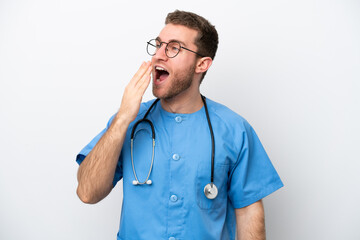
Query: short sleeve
{"points": [[253, 176], [87, 149]]}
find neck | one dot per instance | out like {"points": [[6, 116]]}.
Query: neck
{"points": [[183, 103]]}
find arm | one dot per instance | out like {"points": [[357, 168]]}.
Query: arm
{"points": [[250, 222], [96, 172]]}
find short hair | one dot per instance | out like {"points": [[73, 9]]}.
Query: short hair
{"points": [[207, 40]]}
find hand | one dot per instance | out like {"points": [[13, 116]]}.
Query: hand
{"points": [[134, 92]]}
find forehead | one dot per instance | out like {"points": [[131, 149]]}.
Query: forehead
{"points": [[178, 32]]}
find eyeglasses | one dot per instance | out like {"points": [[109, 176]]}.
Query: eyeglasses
{"points": [[172, 48]]}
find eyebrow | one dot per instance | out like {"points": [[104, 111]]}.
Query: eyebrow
{"points": [[172, 40]]}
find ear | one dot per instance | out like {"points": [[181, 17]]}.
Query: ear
{"points": [[203, 64]]}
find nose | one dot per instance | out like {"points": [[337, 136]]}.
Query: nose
{"points": [[161, 52]]}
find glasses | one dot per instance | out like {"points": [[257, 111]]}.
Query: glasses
{"points": [[172, 48]]}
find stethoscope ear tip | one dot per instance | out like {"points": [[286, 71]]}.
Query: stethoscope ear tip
{"points": [[136, 182]]}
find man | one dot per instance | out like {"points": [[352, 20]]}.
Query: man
{"points": [[165, 195]]}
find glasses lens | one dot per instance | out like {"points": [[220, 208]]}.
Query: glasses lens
{"points": [[152, 46], [172, 49]]}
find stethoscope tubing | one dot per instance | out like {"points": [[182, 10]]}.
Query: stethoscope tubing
{"points": [[147, 181], [212, 139]]}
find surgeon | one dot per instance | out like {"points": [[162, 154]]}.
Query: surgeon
{"points": [[191, 167]]}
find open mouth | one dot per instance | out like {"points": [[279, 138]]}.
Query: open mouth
{"points": [[160, 74]]}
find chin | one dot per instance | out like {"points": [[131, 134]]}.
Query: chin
{"points": [[157, 92]]}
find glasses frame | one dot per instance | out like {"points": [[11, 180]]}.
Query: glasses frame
{"points": [[166, 48]]}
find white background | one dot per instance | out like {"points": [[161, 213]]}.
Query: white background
{"points": [[291, 68]]}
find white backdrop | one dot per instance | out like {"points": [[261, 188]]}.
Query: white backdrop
{"points": [[291, 68]]}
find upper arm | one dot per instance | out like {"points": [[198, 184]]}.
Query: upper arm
{"points": [[256, 208], [250, 222]]}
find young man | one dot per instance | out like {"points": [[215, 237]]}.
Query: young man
{"points": [[207, 173]]}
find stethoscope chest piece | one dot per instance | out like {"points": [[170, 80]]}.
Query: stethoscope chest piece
{"points": [[210, 191]]}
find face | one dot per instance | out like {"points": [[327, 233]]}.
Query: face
{"points": [[174, 76]]}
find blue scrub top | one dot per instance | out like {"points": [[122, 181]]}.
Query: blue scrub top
{"points": [[174, 207]]}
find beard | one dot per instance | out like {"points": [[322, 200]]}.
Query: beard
{"points": [[179, 83]]}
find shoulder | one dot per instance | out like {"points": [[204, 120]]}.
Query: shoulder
{"points": [[226, 116], [143, 108]]}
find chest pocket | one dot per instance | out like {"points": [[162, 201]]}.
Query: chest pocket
{"points": [[220, 180]]}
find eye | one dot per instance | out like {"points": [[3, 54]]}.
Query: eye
{"points": [[174, 48]]}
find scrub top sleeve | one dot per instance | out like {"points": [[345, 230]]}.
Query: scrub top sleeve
{"points": [[253, 176], [87, 149]]}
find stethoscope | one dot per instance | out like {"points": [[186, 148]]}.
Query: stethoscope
{"points": [[210, 190]]}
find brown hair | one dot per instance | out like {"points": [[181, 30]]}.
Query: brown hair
{"points": [[207, 39]]}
